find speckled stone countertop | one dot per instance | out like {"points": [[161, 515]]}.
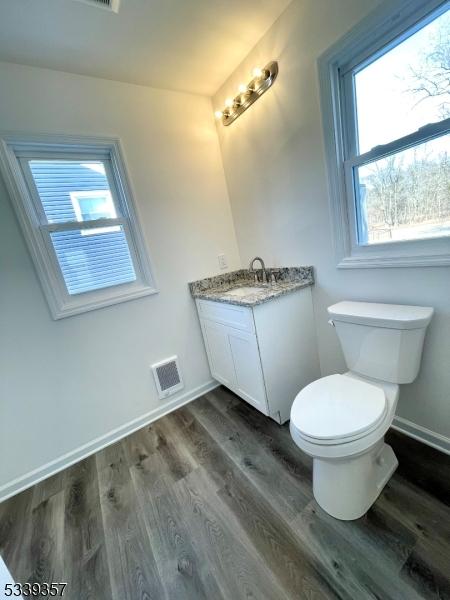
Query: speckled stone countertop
{"points": [[218, 288]]}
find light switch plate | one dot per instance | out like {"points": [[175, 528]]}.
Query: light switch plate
{"points": [[222, 259]]}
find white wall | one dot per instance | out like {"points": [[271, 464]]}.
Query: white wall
{"points": [[66, 383], [275, 169]]}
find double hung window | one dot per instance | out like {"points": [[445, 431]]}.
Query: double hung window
{"points": [[387, 105], [76, 210]]}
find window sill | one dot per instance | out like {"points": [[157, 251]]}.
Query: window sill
{"points": [[377, 262], [75, 308]]}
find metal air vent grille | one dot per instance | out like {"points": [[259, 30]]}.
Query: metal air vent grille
{"points": [[167, 377], [112, 5]]}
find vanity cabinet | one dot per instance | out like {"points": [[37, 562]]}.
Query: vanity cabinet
{"points": [[234, 361], [266, 353]]}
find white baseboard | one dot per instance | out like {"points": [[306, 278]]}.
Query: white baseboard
{"points": [[435, 440], [29, 479]]}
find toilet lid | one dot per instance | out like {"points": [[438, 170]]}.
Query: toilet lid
{"points": [[337, 407]]}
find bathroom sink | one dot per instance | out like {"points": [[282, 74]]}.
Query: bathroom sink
{"points": [[245, 290]]}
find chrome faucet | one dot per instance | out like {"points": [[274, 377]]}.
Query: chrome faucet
{"points": [[263, 268]]}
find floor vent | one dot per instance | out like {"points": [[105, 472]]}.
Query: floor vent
{"points": [[167, 377], [112, 5]]}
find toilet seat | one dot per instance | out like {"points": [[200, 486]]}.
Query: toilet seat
{"points": [[338, 409]]}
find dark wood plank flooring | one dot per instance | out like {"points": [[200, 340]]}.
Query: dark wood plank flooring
{"points": [[214, 501]]}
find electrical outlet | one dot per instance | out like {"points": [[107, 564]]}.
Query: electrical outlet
{"points": [[222, 259]]}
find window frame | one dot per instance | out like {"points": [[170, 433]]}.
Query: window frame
{"points": [[15, 148], [383, 29]]}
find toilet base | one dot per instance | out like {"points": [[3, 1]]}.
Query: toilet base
{"points": [[346, 488]]}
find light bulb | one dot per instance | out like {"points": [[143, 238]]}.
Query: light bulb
{"points": [[257, 73], [229, 102], [242, 88], [218, 114]]}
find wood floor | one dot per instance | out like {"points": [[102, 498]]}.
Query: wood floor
{"points": [[214, 501]]}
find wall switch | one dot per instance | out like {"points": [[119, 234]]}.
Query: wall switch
{"points": [[222, 259]]}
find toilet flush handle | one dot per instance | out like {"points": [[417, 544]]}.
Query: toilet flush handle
{"points": [[331, 322]]}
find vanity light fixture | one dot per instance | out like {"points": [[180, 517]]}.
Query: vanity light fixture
{"points": [[261, 82]]}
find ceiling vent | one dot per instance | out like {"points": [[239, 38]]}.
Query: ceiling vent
{"points": [[167, 377], [112, 5]]}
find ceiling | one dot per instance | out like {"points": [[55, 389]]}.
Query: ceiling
{"points": [[185, 45]]}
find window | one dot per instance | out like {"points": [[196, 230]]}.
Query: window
{"points": [[387, 132], [76, 210]]}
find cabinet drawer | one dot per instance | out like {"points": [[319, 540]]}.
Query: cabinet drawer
{"points": [[239, 317]]}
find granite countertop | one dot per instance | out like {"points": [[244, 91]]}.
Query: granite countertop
{"points": [[287, 279]]}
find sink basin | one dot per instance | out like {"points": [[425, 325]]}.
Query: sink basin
{"points": [[245, 291]]}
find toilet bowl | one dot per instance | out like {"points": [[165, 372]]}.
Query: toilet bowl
{"points": [[344, 436], [341, 420]]}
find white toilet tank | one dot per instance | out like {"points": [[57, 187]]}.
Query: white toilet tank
{"points": [[383, 341]]}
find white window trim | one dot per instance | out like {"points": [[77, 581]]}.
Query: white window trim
{"points": [[388, 22], [62, 304]]}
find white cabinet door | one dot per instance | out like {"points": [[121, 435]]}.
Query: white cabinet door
{"points": [[247, 367], [219, 352]]}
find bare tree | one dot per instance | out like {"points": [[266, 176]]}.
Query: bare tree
{"points": [[414, 189], [431, 77], [399, 193], [386, 186]]}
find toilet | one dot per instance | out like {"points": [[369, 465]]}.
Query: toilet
{"points": [[341, 420]]}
